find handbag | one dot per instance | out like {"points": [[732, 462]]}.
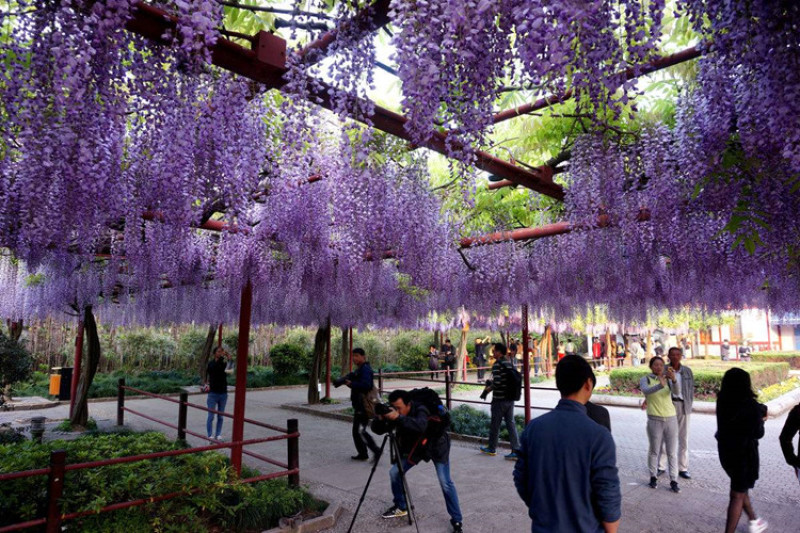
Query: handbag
{"points": [[370, 399]]}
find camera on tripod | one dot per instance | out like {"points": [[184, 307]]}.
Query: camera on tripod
{"points": [[382, 408]]}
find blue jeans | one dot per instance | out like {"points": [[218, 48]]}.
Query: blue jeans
{"points": [[216, 401], [448, 488]]}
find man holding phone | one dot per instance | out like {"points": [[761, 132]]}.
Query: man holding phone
{"points": [[217, 390], [682, 389]]}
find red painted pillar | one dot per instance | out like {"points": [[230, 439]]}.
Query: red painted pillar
{"points": [[780, 339], [245, 310], [328, 364], [219, 335], [769, 332], [76, 367], [526, 365], [350, 335]]}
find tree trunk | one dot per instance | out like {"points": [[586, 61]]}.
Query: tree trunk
{"points": [[80, 415], [461, 358], [344, 358], [205, 355], [320, 345]]}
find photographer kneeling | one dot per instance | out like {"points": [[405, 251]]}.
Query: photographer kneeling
{"points": [[421, 436]]}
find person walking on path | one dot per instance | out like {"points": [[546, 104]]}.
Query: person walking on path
{"points": [[419, 437], [361, 383], [480, 359], [217, 390], [725, 350], [567, 468], [740, 424], [790, 429], [662, 423], [502, 402], [448, 357], [682, 390]]}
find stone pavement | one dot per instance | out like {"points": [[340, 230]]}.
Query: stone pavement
{"points": [[488, 499]]}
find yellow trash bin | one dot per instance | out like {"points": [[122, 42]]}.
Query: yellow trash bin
{"points": [[55, 384]]}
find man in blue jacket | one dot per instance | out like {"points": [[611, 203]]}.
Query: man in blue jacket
{"points": [[360, 382], [566, 472]]}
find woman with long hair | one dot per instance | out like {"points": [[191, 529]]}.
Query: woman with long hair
{"points": [[740, 423], [662, 420]]}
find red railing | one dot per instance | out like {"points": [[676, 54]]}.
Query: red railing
{"points": [[57, 469], [449, 382]]}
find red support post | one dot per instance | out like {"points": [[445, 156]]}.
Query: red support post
{"points": [[219, 335], [328, 364], [293, 448], [350, 334], [76, 367], [121, 401], [245, 310], [526, 365], [55, 487]]}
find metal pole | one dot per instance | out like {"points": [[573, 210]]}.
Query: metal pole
{"points": [[55, 488], [448, 400], [294, 452], [380, 382], [121, 401], [76, 367], [328, 365], [526, 365], [184, 397], [245, 310], [219, 335]]}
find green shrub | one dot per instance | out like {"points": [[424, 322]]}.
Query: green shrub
{"points": [[793, 358], [288, 359], [707, 377], [413, 361], [145, 348], [466, 420], [226, 504], [16, 363]]}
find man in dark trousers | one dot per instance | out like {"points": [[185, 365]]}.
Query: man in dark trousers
{"points": [[419, 438], [566, 472], [502, 403], [448, 355], [360, 383]]}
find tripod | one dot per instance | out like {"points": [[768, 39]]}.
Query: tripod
{"points": [[396, 458]]}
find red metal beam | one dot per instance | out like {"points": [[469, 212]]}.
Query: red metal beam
{"points": [[267, 64], [629, 74], [524, 234]]}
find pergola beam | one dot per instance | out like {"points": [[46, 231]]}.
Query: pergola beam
{"points": [[629, 74], [266, 64]]}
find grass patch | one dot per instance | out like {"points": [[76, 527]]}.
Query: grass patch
{"points": [[225, 504], [66, 425]]}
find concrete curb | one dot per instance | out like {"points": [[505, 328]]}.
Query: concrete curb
{"points": [[775, 408], [326, 521]]}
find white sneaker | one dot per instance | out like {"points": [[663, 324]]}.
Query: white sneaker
{"points": [[758, 525]]}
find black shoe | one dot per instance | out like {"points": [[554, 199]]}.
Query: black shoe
{"points": [[673, 486], [685, 475], [457, 527], [653, 482], [360, 457], [660, 472], [394, 512]]}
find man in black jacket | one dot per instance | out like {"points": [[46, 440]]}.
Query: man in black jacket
{"points": [[360, 382], [419, 437]]}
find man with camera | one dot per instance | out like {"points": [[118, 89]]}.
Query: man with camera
{"points": [[360, 382], [421, 436], [502, 402]]}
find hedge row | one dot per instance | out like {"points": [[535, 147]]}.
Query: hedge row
{"points": [[707, 380], [224, 505], [793, 358]]}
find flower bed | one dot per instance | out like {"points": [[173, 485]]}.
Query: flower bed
{"points": [[707, 377], [793, 358]]}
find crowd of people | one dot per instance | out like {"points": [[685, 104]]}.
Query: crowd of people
{"points": [[574, 441]]}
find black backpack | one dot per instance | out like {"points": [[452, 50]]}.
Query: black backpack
{"points": [[514, 384], [438, 413]]}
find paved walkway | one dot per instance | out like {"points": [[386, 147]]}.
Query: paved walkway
{"points": [[488, 499]]}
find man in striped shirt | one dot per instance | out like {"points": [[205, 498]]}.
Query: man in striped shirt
{"points": [[502, 402]]}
